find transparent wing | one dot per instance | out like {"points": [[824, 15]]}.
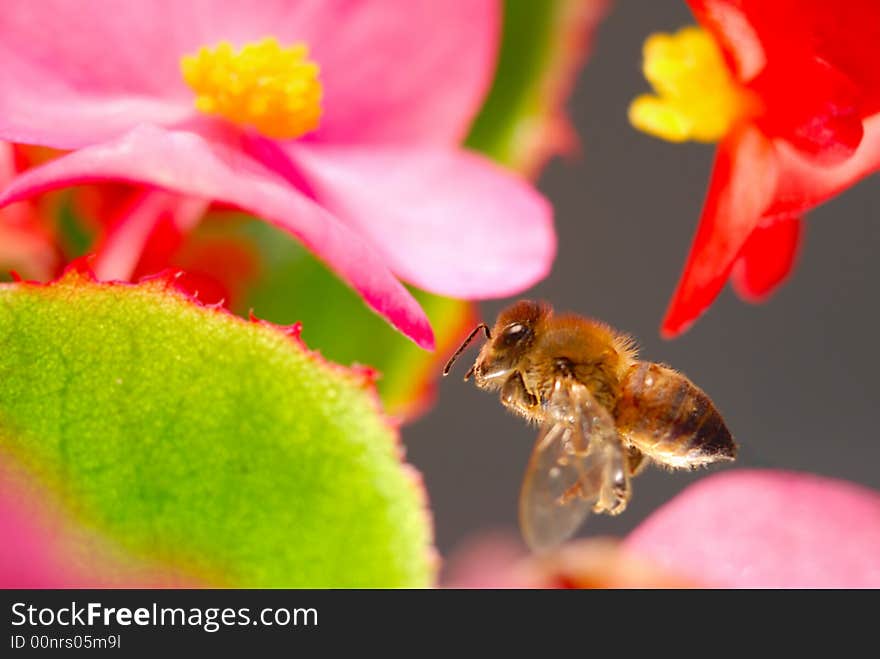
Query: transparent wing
{"points": [[577, 465]]}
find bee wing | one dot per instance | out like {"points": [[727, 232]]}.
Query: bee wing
{"points": [[577, 466]]}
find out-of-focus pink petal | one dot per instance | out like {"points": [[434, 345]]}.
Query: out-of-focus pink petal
{"points": [[27, 559], [487, 560], [43, 548], [392, 70], [804, 184], [499, 561], [447, 221], [742, 187], [767, 529], [598, 563], [767, 258], [118, 255], [187, 163]]}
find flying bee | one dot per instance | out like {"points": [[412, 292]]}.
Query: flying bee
{"points": [[604, 415]]}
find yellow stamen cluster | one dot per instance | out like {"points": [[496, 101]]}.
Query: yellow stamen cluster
{"points": [[276, 90], [696, 95]]}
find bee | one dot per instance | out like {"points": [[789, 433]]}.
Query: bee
{"points": [[603, 414]]}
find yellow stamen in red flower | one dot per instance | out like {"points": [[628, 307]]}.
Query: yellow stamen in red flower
{"points": [[696, 98], [276, 90]]}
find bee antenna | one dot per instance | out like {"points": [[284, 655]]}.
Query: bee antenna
{"points": [[465, 343]]}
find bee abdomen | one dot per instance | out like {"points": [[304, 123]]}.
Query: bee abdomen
{"points": [[671, 420]]}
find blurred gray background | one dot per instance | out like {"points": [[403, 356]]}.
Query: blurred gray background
{"points": [[797, 378]]}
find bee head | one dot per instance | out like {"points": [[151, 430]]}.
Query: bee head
{"points": [[508, 341]]}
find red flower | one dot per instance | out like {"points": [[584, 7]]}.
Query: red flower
{"points": [[793, 96], [26, 245]]}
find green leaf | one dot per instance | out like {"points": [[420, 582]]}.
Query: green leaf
{"points": [[192, 438], [75, 237], [542, 47]]}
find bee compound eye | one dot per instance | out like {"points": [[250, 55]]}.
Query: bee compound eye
{"points": [[515, 333]]}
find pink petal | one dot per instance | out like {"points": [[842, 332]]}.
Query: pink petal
{"points": [[742, 187], [27, 559], [401, 70], [43, 548], [767, 529], [16, 217], [77, 73], [189, 164], [118, 255], [494, 560], [448, 221], [487, 560]]}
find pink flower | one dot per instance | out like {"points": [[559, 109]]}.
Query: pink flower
{"points": [[342, 129], [43, 548], [499, 561], [737, 529], [767, 529]]}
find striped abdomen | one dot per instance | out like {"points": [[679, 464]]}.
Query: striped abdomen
{"points": [[669, 419]]}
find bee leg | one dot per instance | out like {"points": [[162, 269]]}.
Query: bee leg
{"points": [[613, 498], [515, 396], [635, 461], [616, 490]]}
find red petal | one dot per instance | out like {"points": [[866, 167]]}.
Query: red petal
{"points": [[742, 187], [26, 244], [735, 32], [813, 63], [804, 184], [124, 244], [844, 34], [767, 258], [821, 117], [216, 270]]}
